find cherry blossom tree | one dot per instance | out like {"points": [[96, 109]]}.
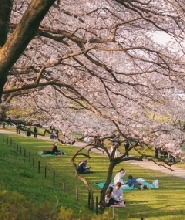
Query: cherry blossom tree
{"points": [[97, 66]]}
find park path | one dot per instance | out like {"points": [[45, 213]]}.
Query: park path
{"points": [[178, 172]]}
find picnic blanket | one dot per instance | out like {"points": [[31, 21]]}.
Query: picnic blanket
{"points": [[126, 187], [40, 153]]}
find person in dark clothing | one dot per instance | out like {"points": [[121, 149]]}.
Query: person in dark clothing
{"points": [[83, 168], [133, 182], [109, 200], [56, 134], [115, 140], [28, 132], [54, 150], [126, 145], [18, 128], [35, 131], [156, 152]]}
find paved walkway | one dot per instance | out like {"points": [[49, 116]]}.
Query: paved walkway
{"points": [[178, 172]]}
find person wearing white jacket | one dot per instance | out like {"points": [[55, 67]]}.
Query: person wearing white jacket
{"points": [[118, 177], [118, 193]]}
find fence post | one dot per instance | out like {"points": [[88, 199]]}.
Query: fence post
{"points": [[29, 156], [92, 201], [113, 213], [54, 178], [97, 205], [38, 166], [45, 171], [63, 185], [20, 150], [77, 193], [89, 200], [33, 161]]}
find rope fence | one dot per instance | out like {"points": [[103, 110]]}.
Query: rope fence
{"points": [[56, 181], [42, 169]]}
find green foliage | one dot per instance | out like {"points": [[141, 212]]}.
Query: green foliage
{"points": [[15, 206], [68, 214]]}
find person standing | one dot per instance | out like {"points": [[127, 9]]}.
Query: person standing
{"points": [[126, 145], [156, 152], [35, 131], [18, 128], [28, 132]]}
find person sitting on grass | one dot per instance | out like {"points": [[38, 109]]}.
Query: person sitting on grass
{"points": [[83, 168], [54, 150], [118, 177], [118, 194], [109, 200], [133, 182], [114, 196]]}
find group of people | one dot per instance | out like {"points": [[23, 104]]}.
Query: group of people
{"points": [[27, 130], [116, 143], [114, 195], [165, 154]]}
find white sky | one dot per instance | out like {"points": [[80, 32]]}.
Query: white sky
{"points": [[161, 37]]}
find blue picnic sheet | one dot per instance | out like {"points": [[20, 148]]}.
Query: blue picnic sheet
{"points": [[40, 153], [125, 186]]}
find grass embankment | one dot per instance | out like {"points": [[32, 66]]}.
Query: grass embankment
{"points": [[18, 174]]}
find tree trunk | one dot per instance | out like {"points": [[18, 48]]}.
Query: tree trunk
{"points": [[5, 11], [108, 181], [22, 35]]}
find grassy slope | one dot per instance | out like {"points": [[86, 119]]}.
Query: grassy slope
{"points": [[17, 174]]}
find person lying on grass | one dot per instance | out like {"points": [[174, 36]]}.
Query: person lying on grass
{"points": [[133, 182]]}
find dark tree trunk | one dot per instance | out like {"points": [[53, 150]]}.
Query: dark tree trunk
{"points": [[108, 181], [25, 31], [5, 11]]}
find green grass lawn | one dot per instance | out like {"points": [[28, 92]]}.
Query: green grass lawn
{"points": [[17, 173]]}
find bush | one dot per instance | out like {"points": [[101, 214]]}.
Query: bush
{"points": [[68, 214], [14, 206]]}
